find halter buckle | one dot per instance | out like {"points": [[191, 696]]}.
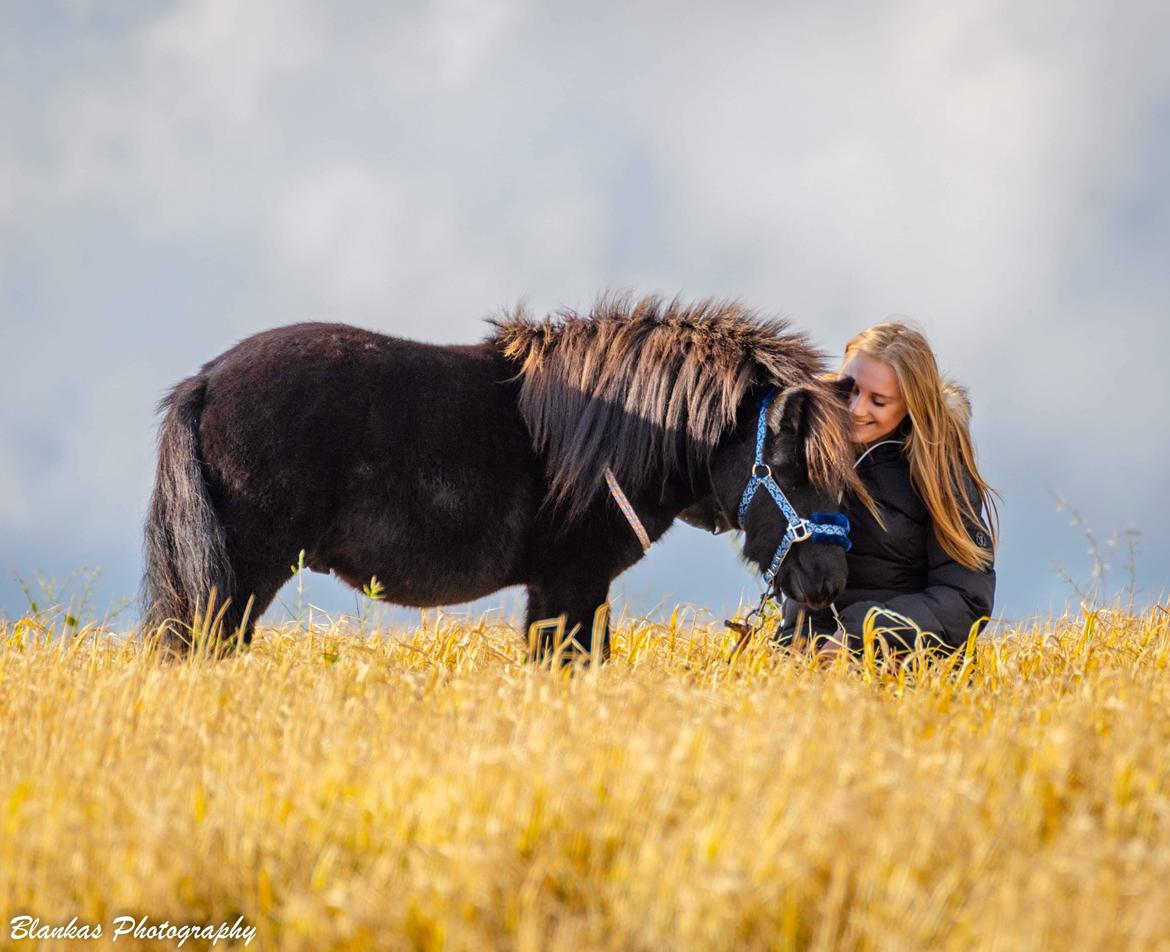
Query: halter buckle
{"points": [[799, 531]]}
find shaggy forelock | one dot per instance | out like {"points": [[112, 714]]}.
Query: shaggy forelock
{"points": [[625, 383]]}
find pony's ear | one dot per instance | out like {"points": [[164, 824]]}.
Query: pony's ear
{"points": [[787, 412], [844, 387]]}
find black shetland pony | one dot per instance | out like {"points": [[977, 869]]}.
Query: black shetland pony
{"points": [[449, 472]]}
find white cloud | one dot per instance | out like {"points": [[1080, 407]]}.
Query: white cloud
{"points": [[351, 235], [223, 57], [464, 34]]}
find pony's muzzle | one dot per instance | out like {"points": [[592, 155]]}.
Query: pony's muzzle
{"points": [[815, 595]]}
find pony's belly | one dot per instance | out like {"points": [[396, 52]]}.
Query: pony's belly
{"points": [[433, 585], [424, 556]]}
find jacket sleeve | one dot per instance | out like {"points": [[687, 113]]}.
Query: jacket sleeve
{"points": [[954, 599]]}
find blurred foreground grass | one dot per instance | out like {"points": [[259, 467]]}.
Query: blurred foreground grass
{"points": [[428, 789]]}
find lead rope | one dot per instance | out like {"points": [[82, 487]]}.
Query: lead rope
{"points": [[623, 503], [752, 622]]}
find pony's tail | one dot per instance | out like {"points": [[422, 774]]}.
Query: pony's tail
{"points": [[187, 564]]}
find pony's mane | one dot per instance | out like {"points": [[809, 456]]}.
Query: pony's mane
{"points": [[624, 384]]}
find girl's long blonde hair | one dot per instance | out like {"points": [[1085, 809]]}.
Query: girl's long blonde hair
{"points": [[939, 447]]}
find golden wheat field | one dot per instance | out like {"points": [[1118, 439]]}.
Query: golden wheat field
{"points": [[341, 788]]}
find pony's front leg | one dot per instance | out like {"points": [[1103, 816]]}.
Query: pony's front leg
{"points": [[578, 601]]}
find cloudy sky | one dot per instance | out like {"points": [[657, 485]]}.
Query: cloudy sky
{"points": [[174, 177]]}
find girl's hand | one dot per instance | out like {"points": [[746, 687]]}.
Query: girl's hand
{"points": [[828, 648]]}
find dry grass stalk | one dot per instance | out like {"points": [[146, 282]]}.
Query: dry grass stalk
{"points": [[428, 789]]}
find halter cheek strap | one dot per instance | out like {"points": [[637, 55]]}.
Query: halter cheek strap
{"points": [[830, 527]]}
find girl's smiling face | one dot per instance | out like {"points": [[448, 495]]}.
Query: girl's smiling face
{"points": [[876, 403]]}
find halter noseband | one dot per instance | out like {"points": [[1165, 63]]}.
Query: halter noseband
{"points": [[819, 527]]}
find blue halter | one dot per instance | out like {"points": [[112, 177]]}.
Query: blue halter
{"points": [[819, 527]]}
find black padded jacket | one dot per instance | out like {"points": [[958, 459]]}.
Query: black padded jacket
{"points": [[903, 567]]}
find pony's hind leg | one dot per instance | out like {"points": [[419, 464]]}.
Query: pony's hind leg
{"points": [[256, 578], [255, 590]]}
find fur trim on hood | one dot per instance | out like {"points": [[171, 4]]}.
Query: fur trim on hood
{"points": [[958, 401]]}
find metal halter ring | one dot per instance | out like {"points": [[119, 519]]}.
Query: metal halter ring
{"points": [[799, 531], [762, 471]]}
